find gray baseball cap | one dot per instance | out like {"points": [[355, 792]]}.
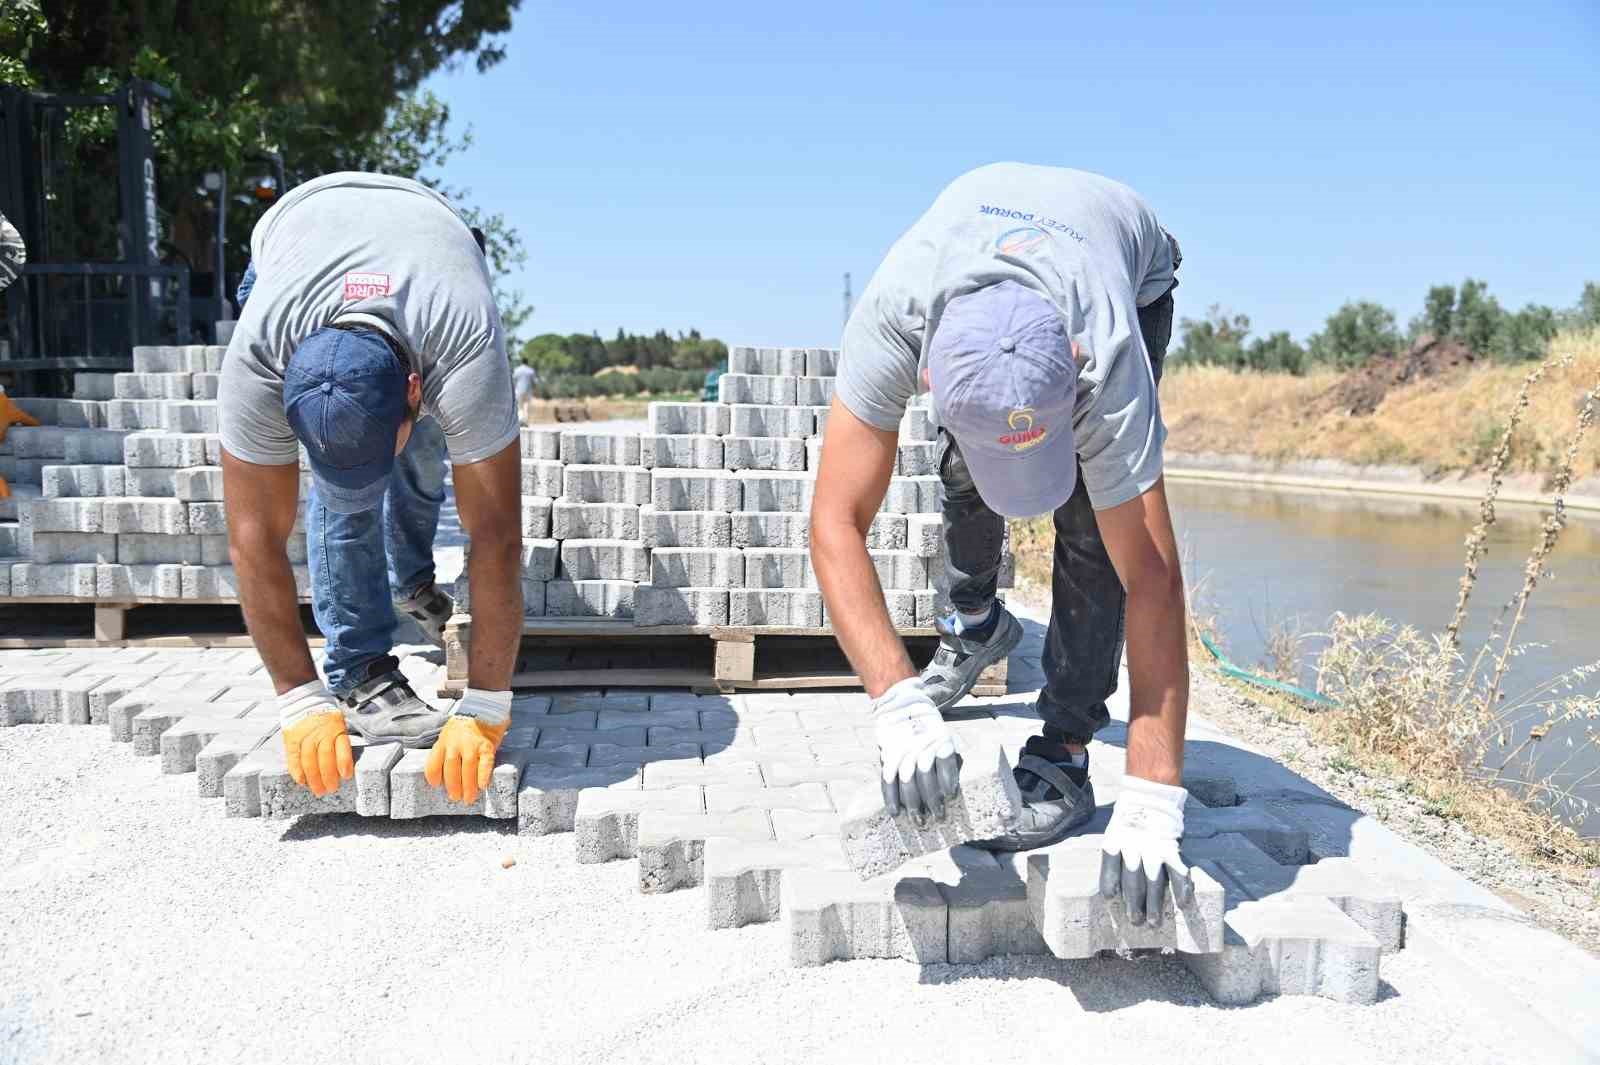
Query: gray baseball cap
{"points": [[1004, 386]]}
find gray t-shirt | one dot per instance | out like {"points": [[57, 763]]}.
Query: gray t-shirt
{"points": [[1086, 243], [383, 252], [526, 378]]}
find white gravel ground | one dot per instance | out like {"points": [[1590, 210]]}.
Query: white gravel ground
{"points": [[138, 924]]}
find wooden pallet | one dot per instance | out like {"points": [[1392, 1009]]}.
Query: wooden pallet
{"points": [[28, 622], [601, 653]]}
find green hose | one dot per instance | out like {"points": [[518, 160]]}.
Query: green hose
{"points": [[1229, 669]]}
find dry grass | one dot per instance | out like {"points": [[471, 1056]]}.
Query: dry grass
{"points": [[1441, 424]]}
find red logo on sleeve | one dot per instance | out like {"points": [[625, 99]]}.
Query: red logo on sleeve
{"points": [[359, 286]]}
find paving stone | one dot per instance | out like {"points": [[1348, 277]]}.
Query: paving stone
{"points": [[763, 453], [696, 490], [220, 582], [770, 529], [809, 797], [135, 515], [606, 822], [850, 777], [101, 446], [151, 482], [108, 691], [987, 805], [680, 606], [182, 743], [814, 391], [241, 791], [606, 484], [163, 449], [189, 358], [206, 385], [591, 521], [189, 691], [794, 824], [593, 560], [541, 477], [134, 414], [73, 547], [680, 452], [587, 447], [747, 421], [756, 388], [901, 496], [681, 773], [918, 460], [776, 490], [148, 726], [154, 549], [789, 362], [744, 878], [613, 754], [204, 518], [536, 515], [65, 515], [822, 362], [38, 442], [917, 426], [541, 444], [778, 567], [589, 599], [79, 481], [189, 416], [681, 419], [152, 385], [775, 606], [198, 484], [280, 797], [684, 528], [548, 799], [47, 699], [830, 915], [694, 567], [73, 579], [124, 582], [671, 846], [1283, 842], [93, 386], [901, 570], [219, 757], [411, 796]]}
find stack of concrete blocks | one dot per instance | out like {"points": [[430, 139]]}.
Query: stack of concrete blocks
{"points": [[117, 495]]}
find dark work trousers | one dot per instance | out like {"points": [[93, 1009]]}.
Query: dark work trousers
{"points": [[1083, 648]]}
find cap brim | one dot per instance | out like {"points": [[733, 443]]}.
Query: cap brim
{"points": [[1024, 486], [349, 500]]}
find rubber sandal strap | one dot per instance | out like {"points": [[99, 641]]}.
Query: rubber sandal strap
{"points": [[1049, 772]]}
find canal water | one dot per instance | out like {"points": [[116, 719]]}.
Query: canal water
{"points": [[1270, 558]]}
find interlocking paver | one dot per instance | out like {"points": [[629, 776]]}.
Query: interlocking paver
{"points": [[743, 879], [606, 822], [671, 846]]}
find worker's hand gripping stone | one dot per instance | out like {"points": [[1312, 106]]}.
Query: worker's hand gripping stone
{"points": [[462, 759], [315, 743], [920, 769], [1139, 853]]}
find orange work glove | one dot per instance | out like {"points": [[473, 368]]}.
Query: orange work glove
{"points": [[314, 739], [462, 759], [11, 414]]}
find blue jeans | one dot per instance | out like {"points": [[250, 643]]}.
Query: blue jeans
{"points": [[361, 563]]}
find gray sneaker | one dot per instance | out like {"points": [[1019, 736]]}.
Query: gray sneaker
{"points": [[1057, 800], [960, 659], [384, 709], [430, 609]]}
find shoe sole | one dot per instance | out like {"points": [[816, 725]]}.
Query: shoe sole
{"points": [[974, 666], [408, 742]]}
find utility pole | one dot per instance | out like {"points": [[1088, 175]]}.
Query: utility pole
{"points": [[847, 299]]}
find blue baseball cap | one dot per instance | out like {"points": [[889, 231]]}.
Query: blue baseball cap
{"points": [[1004, 386], [344, 393]]}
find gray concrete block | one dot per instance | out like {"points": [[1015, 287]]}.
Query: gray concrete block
{"points": [[541, 444], [73, 547], [411, 796], [680, 606], [220, 582], [671, 846], [597, 560], [372, 778], [591, 521], [776, 491], [775, 606], [536, 517], [768, 361], [47, 699], [183, 741], [280, 797], [151, 482], [206, 385], [164, 449], [925, 535], [917, 426], [778, 567], [1281, 841], [988, 805], [589, 599], [241, 792], [72, 579], [189, 358], [814, 391], [198, 484], [902, 497], [224, 334], [64, 515], [770, 529], [831, 915], [541, 477], [743, 879], [756, 388], [37, 442], [887, 533], [188, 693], [100, 446], [763, 453], [607, 484], [189, 416], [548, 798], [822, 362], [606, 821], [591, 448], [900, 570], [679, 419], [685, 528], [108, 691], [93, 386], [151, 386], [988, 908], [918, 460], [149, 725], [133, 414], [746, 420], [206, 519], [217, 353], [120, 581], [77, 481], [219, 757], [694, 490], [539, 559], [680, 452], [697, 567], [133, 514]]}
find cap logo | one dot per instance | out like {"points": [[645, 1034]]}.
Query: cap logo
{"points": [[1024, 434], [362, 286]]}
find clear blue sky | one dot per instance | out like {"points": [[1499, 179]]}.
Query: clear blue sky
{"points": [[722, 165]]}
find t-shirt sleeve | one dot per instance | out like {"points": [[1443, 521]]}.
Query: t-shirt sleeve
{"points": [[250, 405], [877, 363], [1120, 435], [1158, 270], [475, 404]]}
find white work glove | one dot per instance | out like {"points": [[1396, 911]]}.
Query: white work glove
{"points": [[920, 768], [1140, 851]]}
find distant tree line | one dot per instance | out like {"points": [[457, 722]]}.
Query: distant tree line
{"points": [[581, 365], [1361, 330]]}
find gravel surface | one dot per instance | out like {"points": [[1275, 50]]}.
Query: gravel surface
{"points": [[138, 924]]}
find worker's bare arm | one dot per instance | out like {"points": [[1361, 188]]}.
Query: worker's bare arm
{"points": [[489, 499], [1138, 537], [857, 462], [262, 503]]}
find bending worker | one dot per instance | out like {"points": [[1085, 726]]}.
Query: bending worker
{"points": [[369, 336], [1035, 303]]}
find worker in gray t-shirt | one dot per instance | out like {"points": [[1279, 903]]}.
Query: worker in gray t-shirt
{"points": [[368, 338], [525, 378], [1034, 305]]}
